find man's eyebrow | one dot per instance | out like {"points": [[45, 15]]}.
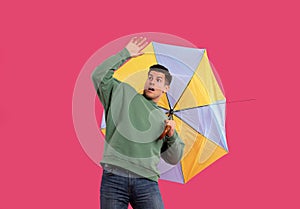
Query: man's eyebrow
{"points": [[161, 77]]}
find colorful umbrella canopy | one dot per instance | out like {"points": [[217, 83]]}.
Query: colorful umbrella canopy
{"points": [[195, 101]]}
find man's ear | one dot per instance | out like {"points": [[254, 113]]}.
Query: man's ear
{"points": [[167, 87]]}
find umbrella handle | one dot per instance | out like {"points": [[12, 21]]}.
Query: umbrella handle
{"points": [[167, 129]]}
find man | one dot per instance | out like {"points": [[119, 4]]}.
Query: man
{"points": [[134, 124]]}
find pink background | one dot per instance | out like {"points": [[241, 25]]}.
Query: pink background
{"points": [[253, 45]]}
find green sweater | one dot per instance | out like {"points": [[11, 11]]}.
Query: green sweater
{"points": [[133, 124]]}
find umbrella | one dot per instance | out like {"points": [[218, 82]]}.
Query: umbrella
{"points": [[195, 101]]}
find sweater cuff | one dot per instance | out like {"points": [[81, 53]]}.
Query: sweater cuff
{"points": [[172, 139], [124, 54]]}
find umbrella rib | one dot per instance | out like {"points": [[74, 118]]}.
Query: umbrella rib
{"points": [[189, 108], [188, 83], [170, 108], [189, 125], [163, 108], [197, 131], [184, 90], [168, 101]]}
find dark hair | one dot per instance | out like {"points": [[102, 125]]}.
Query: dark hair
{"points": [[162, 69]]}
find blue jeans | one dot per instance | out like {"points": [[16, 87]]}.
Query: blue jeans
{"points": [[120, 187]]}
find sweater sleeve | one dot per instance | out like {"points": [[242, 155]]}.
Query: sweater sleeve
{"points": [[172, 149], [102, 76]]}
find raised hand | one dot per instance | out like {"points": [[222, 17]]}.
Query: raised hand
{"points": [[135, 46]]}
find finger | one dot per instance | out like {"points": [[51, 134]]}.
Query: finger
{"points": [[140, 39], [168, 123], [134, 39], [140, 53], [143, 44]]}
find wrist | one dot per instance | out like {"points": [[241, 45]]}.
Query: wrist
{"points": [[125, 53]]}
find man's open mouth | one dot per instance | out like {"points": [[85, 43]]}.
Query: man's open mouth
{"points": [[151, 89]]}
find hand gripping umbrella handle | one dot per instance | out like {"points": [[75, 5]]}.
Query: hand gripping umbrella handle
{"points": [[167, 129]]}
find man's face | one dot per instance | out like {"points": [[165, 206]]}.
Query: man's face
{"points": [[155, 86]]}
